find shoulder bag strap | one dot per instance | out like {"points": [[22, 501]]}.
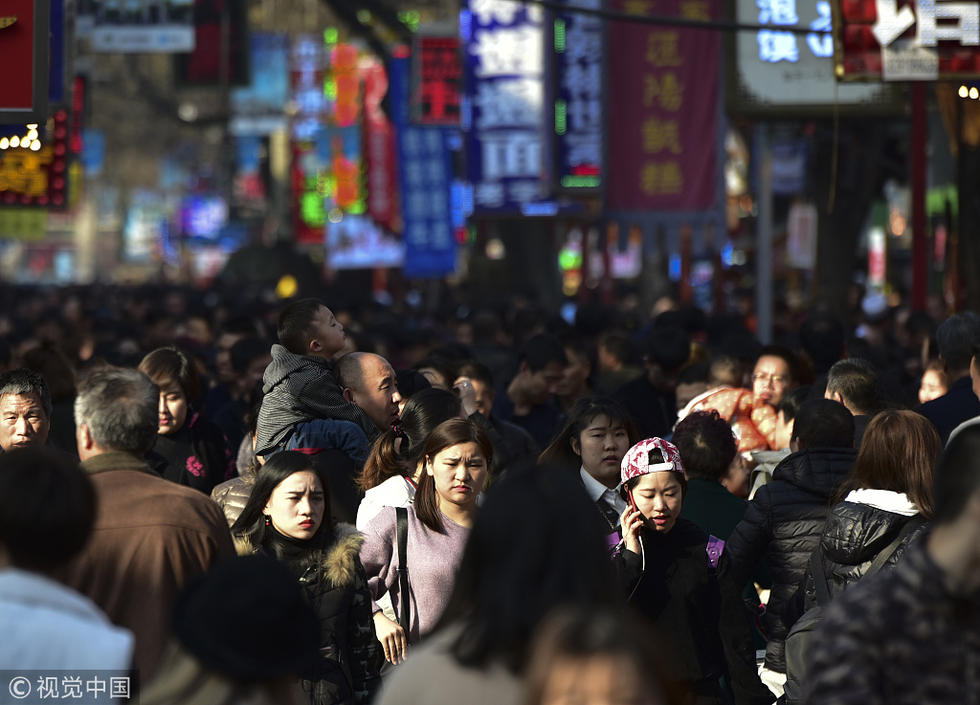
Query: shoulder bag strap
{"points": [[402, 533], [819, 579], [911, 525]]}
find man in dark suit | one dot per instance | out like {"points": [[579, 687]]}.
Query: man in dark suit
{"points": [[955, 337]]}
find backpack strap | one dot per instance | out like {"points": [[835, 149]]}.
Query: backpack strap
{"points": [[819, 578], [401, 530], [907, 528]]}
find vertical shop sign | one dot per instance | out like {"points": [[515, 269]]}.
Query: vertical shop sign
{"points": [[664, 82], [379, 150], [24, 53], [578, 98], [308, 72], [424, 170], [438, 74], [504, 122]]}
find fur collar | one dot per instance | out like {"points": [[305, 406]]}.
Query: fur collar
{"points": [[338, 561]]}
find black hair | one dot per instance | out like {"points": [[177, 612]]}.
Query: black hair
{"points": [[791, 402], [476, 370], [502, 594], [706, 444], [423, 411], [955, 338], [822, 338], [25, 381], [47, 508], [823, 423], [251, 522], [294, 325], [244, 351], [541, 350], [583, 411], [957, 476], [619, 346], [856, 380], [787, 356], [669, 347]]}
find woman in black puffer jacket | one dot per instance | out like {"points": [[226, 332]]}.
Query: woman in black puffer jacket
{"points": [[891, 486], [287, 516]]}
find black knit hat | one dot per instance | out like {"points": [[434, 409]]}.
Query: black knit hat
{"points": [[247, 618]]}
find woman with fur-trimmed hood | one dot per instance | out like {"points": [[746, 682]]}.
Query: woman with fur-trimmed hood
{"points": [[287, 517]]}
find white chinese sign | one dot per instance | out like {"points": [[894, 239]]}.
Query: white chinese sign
{"points": [[504, 112]]}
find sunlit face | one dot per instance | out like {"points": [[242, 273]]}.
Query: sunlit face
{"points": [[602, 445], [932, 386], [659, 496], [23, 421], [484, 396], [327, 335], [597, 680], [770, 379], [296, 505], [783, 433], [459, 472], [173, 409], [575, 375], [378, 393]]}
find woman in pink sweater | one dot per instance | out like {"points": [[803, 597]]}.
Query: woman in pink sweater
{"points": [[456, 455]]}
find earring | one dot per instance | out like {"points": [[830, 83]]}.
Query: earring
{"points": [[268, 520]]}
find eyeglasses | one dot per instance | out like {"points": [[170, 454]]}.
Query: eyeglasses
{"points": [[775, 380]]}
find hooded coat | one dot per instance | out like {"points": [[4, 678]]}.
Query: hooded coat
{"points": [[333, 580], [782, 525]]}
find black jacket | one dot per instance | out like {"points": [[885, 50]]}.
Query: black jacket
{"points": [[333, 581], [705, 627], [854, 536], [782, 525], [953, 408]]}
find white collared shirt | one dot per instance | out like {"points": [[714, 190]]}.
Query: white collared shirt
{"points": [[597, 490]]}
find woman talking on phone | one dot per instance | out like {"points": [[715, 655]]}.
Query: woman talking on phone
{"points": [[669, 568]]}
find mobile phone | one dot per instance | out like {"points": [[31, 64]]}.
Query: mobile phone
{"points": [[629, 494]]}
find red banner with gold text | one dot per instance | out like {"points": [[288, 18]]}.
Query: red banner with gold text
{"points": [[664, 98]]}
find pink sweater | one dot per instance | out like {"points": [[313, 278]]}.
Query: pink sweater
{"points": [[432, 562]]}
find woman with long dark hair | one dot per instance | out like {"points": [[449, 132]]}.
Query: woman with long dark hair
{"points": [[287, 516], [392, 471], [456, 458], [190, 450]]}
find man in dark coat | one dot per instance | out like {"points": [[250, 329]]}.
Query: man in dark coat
{"points": [[650, 398], [151, 536], [784, 520], [955, 337], [854, 383]]}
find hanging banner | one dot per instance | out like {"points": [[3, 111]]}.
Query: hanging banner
{"points": [[379, 150], [438, 72], [505, 93], [219, 55], [24, 51], [425, 173], [664, 84], [309, 175], [578, 104]]}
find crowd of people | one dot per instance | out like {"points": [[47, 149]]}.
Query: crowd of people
{"points": [[298, 501]]}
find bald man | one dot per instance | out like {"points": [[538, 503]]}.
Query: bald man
{"points": [[368, 381]]}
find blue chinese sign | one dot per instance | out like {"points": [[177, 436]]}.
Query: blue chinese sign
{"points": [[504, 110], [425, 173], [578, 98]]}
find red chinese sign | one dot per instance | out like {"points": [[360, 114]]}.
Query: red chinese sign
{"points": [[439, 72], [34, 166], [24, 58], [898, 40], [662, 141]]}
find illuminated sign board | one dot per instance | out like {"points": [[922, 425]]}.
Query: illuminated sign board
{"points": [[924, 40], [777, 70], [34, 167], [438, 76], [504, 112], [578, 50]]}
